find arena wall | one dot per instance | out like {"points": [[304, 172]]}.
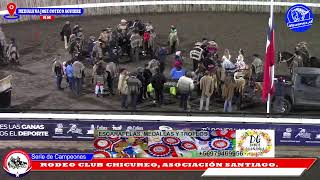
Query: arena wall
{"points": [[257, 6]]}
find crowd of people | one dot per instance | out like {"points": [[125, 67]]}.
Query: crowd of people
{"points": [[209, 76]]}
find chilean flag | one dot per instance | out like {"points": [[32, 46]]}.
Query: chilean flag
{"points": [[269, 62]]}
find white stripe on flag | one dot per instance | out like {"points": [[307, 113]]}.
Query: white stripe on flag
{"points": [[271, 172]]}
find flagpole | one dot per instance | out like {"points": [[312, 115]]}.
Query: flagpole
{"points": [[272, 67]]}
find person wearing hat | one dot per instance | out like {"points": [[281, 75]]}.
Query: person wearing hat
{"points": [[65, 33], [12, 51], [135, 43], [97, 51], [207, 87], [146, 39], [123, 87], [76, 29], [123, 26], [105, 38], [185, 87], [57, 69], [158, 81], [173, 39], [177, 71], [134, 87], [91, 44]]}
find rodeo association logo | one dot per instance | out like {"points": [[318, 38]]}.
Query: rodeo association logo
{"points": [[299, 18], [255, 143], [17, 163]]}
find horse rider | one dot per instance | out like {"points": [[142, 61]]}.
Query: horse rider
{"points": [[81, 36], [12, 51], [257, 66], [149, 26], [196, 54], [105, 38], [173, 39], [2, 43], [123, 26], [240, 64], [65, 33], [135, 43]]}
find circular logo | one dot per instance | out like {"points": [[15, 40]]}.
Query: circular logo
{"points": [[188, 146], [159, 150], [220, 144], [101, 154], [102, 144], [171, 141], [17, 163], [299, 18]]}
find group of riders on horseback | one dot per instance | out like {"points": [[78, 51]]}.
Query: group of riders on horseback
{"points": [[8, 51], [112, 43]]}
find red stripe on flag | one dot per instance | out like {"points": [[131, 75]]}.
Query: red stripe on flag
{"points": [[268, 72]]}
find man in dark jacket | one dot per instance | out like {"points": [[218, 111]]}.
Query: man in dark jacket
{"points": [[134, 85], [143, 82], [65, 33], [147, 74], [158, 81]]}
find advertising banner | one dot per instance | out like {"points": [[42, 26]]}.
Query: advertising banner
{"points": [[83, 130]]}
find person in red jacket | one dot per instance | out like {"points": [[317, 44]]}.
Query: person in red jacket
{"points": [[146, 38]]}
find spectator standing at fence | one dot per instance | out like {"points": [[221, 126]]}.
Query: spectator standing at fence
{"points": [[135, 43], [99, 79], [123, 88], [173, 39], [185, 87], [207, 87], [78, 74], [69, 73], [57, 69], [65, 34], [279, 95], [158, 81], [134, 86], [228, 93]]}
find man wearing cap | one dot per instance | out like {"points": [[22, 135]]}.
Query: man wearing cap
{"points": [[196, 54], [65, 34], [57, 69], [135, 42], [173, 39]]}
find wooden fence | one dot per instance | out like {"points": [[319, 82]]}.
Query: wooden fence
{"points": [[150, 8]]}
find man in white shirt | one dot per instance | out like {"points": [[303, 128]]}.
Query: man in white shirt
{"points": [[185, 86]]}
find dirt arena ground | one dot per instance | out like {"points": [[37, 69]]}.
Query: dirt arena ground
{"points": [[39, 42]]}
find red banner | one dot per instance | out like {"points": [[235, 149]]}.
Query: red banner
{"points": [[171, 164]]}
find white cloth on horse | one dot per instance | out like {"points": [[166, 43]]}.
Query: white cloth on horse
{"points": [[228, 66], [112, 68], [196, 53]]}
